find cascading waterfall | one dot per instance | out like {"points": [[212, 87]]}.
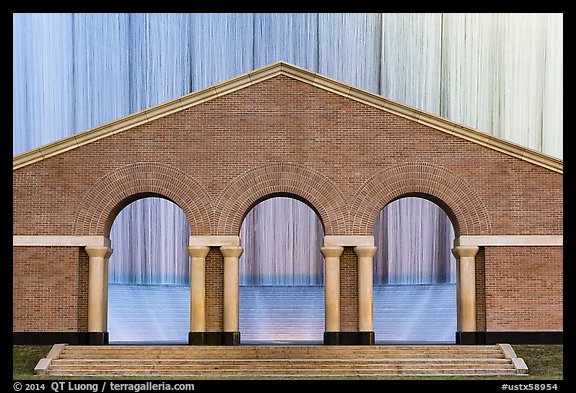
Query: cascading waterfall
{"points": [[141, 260], [499, 73], [281, 240], [426, 259]]}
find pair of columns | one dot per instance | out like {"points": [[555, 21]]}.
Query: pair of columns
{"points": [[332, 286], [231, 256]]}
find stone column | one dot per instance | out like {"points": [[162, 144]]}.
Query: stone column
{"points": [[365, 282], [332, 287], [231, 297], [105, 300], [98, 287], [466, 287], [198, 288]]}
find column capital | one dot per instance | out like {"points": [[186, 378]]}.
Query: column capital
{"points": [[98, 251], [348, 240], [213, 240], [231, 251], [331, 251], [365, 251], [465, 251], [198, 251]]}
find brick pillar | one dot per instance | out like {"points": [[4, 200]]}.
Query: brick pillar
{"points": [[98, 293]]}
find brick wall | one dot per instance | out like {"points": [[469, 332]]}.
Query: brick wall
{"points": [[285, 137], [46, 289], [348, 290], [524, 288], [214, 290], [83, 291], [480, 291]]}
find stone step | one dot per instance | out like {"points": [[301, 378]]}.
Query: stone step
{"points": [[279, 360], [295, 348], [259, 366], [183, 361], [281, 355], [278, 372], [319, 349], [266, 370], [289, 364]]}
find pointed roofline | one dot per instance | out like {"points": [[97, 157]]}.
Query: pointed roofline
{"points": [[301, 74]]}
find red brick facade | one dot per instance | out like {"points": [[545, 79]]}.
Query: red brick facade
{"points": [[283, 136], [523, 288]]}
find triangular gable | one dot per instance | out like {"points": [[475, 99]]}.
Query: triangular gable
{"points": [[301, 74]]}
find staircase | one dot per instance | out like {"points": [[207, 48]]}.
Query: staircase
{"points": [[289, 361]]}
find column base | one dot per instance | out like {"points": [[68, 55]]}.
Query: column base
{"points": [[349, 338], [97, 338], [519, 337], [214, 338], [50, 338], [471, 338]]}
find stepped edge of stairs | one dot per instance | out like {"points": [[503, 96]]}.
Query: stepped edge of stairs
{"points": [[499, 359]]}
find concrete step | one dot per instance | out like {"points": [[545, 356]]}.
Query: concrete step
{"points": [[267, 366], [275, 351], [334, 362], [281, 360], [252, 368], [289, 372], [283, 370]]}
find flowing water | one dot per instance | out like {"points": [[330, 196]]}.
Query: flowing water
{"points": [[282, 314]]}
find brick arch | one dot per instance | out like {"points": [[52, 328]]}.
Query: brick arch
{"points": [[255, 185], [452, 193], [102, 203]]}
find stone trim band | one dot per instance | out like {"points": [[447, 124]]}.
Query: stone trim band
{"points": [[59, 241], [329, 241], [509, 240]]}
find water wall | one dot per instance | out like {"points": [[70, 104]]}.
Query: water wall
{"points": [[281, 238]]}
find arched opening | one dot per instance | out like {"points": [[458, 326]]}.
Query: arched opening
{"points": [[414, 273], [281, 273], [148, 273]]}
